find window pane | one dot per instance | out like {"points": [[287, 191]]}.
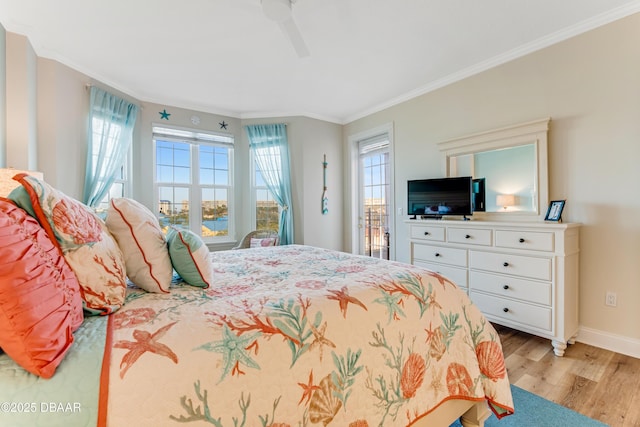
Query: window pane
{"points": [[164, 174], [164, 155], [375, 176], [215, 218], [182, 175], [259, 179], [173, 206], [267, 212], [173, 162], [163, 144], [214, 167], [222, 177], [206, 177], [182, 155], [116, 190], [206, 159], [221, 159], [368, 193]]}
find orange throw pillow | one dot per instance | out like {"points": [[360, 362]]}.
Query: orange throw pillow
{"points": [[40, 303]]}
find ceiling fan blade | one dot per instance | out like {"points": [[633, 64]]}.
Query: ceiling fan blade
{"points": [[291, 30]]}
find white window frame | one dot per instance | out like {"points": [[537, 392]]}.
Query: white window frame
{"points": [[196, 138]]}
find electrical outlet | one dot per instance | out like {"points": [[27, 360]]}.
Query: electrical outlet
{"points": [[611, 299]]}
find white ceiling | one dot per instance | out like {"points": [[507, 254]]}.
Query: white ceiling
{"points": [[225, 57]]}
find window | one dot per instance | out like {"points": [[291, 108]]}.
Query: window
{"points": [[111, 124], [120, 185], [270, 150], [267, 212], [193, 181]]}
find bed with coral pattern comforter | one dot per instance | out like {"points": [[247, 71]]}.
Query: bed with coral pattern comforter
{"points": [[301, 336]]}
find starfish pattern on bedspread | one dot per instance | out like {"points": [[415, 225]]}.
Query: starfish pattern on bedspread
{"points": [[234, 350], [308, 388], [144, 341], [343, 298]]}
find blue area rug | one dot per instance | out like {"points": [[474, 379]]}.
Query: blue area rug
{"points": [[535, 411]]}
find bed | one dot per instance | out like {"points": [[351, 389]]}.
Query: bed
{"points": [[278, 336]]}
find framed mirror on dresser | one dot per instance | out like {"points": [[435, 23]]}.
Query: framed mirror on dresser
{"points": [[519, 269], [511, 162]]}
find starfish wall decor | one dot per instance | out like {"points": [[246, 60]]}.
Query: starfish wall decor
{"points": [[164, 115]]}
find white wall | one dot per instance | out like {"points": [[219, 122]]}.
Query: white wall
{"points": [[590, 86], [20, 94], [62, 110]]}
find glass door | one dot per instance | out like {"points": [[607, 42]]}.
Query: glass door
{"points": [[374, 217]]}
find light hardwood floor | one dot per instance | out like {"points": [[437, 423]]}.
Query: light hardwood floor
{"points": [[598, 383]]}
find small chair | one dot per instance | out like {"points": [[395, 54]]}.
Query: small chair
{"points": [[261, 235]]}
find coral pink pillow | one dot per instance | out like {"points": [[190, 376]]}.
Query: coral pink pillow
{"points": [[87, 245], [40, 304], [143, 244]]}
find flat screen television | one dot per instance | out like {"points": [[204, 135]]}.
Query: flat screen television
{"points": [[438, 197]]}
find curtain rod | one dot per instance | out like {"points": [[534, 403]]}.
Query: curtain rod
{"points": [[88, 86]]}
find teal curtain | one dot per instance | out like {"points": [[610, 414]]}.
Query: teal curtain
{"points": [[271, 150], [111, 122]]}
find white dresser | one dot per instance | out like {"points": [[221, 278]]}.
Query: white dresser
{"points": [[520, 274]]}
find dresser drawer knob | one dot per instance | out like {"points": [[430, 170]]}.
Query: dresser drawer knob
{"points": [[426, 233], [505, 264], [506, 310], [521, 240], [505, 287], [467, 236], [437, 254]]}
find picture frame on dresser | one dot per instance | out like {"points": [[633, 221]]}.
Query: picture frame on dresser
{"points": [[554, 212]]}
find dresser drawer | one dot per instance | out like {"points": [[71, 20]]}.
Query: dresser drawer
{"points": [[427, 232], [440, 254], [511, 287], [517, 265], [455, 274], [532, 240], [469, 236], [513, 311]]}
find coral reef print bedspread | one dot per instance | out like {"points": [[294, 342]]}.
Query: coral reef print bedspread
{"points": [[301, 336]]}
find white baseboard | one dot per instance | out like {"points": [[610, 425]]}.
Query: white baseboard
{"points": [[609, 341]]}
